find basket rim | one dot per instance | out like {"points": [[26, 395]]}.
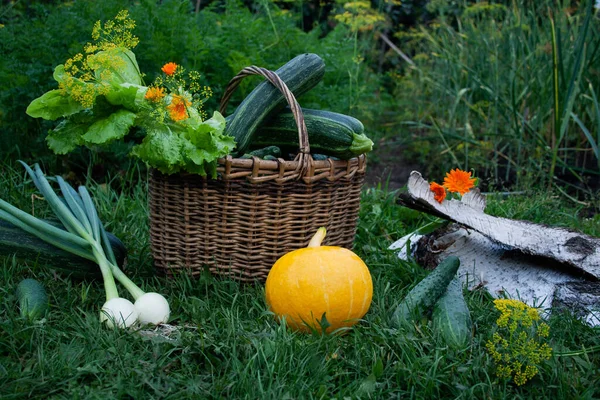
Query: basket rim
{"points": [[256, 170]]}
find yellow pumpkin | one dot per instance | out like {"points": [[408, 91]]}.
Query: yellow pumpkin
{"points": [[306, 283]]}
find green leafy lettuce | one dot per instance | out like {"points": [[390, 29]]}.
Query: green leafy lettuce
{"points": [[192, 148], [116, 94]]}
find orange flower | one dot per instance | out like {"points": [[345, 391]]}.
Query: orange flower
{"points": [[439, 192], [178, 108], [155, 94], [459, 181], [169, 68]]}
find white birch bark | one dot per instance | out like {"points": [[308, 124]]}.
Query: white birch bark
{"points": [[575, 249]]}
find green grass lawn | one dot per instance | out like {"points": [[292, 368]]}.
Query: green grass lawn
{"points": [[224, 343]]}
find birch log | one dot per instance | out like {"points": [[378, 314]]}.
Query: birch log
{"points": [[571, 248]]}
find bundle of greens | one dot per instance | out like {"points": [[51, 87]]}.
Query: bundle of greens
{"points": [[101, 96], [85, 236]]}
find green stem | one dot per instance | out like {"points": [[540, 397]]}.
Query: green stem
{"points": [[131, 287], [110, 286], [579, 352], [37, 225]]}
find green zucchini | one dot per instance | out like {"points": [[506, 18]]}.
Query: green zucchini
{"points": [[329, 133], [451, 317], [426, 293], [27, 247], [32, 298], [300, 74]]}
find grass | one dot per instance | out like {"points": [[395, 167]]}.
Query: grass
{"points": [[228, 345], [508, 88]]}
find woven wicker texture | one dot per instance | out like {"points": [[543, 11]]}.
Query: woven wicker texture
{"points": [[257, 210]]}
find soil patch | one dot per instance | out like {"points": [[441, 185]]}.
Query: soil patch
{"points": [[386, 166]]}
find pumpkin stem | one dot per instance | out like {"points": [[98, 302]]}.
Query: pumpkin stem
{"points": [[318, 237]]}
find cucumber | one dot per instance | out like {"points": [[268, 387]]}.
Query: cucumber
{"points": [[329, 133], [300, 74], [32, 298], [426, 293], [272, 151], [322, 157], [451, 317], [27, 247]]}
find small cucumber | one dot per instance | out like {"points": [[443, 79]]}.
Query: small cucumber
{"points": [[272, 151], [451, 317], [32, 298], [426, 293]]}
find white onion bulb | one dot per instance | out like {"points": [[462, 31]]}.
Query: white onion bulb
{"points": [[152, 308], [120, 312]]}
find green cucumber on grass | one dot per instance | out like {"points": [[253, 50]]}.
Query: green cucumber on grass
{"points": [[300, 74], [27, 247], [32, 298], [426, 293], [329, 133], [451, 316]]}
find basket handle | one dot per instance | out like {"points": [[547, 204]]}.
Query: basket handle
{"points": [[304, 150]]}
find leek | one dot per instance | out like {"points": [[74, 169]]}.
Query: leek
{"points": [[86, 237]]}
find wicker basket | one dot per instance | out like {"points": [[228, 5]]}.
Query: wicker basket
{"points": [[256, 210]]}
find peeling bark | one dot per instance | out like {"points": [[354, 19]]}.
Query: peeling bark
{"points": [[569, 247], [484, 263]]}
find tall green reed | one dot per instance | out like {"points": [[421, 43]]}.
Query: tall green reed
{"points": [[510, 90]]}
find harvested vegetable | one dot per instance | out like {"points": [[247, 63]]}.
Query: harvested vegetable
{"points": [[327, 287], [86, 237], [330, 133], [25, 246], [423, 296], [33, 299], [100, 98], [451, 316], [300, 74]]}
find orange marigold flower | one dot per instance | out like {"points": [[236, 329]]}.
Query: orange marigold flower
{"points": [[459, 181], [178, 108], [439, 192], [169, 68], [155, 94]]}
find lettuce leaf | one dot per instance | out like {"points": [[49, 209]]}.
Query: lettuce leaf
{"points": [[128, 95], [116, 66], [53, 105], [66, 136], [192, 148], [113, 127]]}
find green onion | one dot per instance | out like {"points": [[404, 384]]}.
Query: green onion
{"points": [[86, 237]]}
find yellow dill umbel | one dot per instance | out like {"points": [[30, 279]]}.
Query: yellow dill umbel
{"points": [[80, 80], [518, 346]]}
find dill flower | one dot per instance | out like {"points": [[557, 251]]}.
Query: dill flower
{"points": [[169, 68], [178, 108], [518, 346], [459, 181], [439, 192], [360, 16], [155, 94], [84, 77]]}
